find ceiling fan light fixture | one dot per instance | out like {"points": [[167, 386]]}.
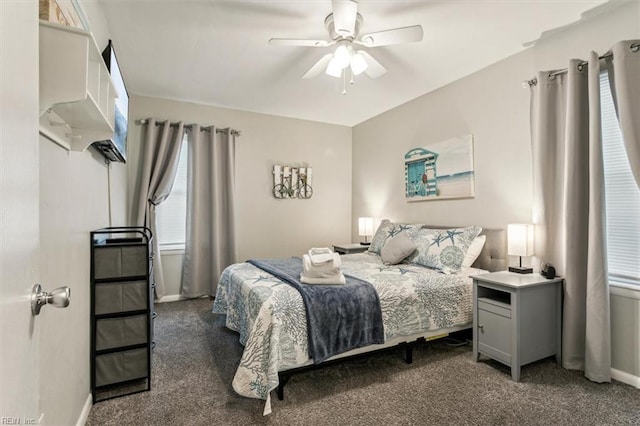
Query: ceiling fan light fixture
{"points": [[342, 55], [334, 69], [343, 25], [358, 63]]}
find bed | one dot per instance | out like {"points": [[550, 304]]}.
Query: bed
{"points": [[415, 301]]}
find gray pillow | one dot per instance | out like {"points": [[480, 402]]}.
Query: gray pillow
{"points": [[397, 248]]}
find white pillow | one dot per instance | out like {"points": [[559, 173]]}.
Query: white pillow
{"points": [[474, 251], [396, 249]]}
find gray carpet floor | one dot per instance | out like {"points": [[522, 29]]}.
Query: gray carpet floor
{"points": [[196, 356]]}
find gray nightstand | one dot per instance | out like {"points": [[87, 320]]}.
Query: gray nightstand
{"points": [[350, 248], [517, 318]]}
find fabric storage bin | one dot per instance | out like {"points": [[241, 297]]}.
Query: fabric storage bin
{"points": [[121, 366], [134, 261], [107, 262], [125, 331], [120, 297], [116, 262]]}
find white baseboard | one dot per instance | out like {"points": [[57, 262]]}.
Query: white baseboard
{"points": [[171, 298], [176, 297], [627, 378], [84, 414]]}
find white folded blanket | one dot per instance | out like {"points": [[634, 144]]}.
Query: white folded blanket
{"points": [[322, 255], [338, 279], [319, 250], [325, 270]]}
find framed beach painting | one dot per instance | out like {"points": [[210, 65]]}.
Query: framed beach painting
{"points": [[441, 170]]}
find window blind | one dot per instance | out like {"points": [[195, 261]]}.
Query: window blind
{"points": [[622, 197], [171, 215]]}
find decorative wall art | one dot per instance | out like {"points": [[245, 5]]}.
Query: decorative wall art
{"points": [[442, 170], [292, 182]]}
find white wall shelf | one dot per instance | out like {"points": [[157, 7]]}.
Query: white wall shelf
{"points": [[77, 96]]}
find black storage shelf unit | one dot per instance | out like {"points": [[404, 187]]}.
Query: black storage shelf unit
{"points": [[121, 311]]}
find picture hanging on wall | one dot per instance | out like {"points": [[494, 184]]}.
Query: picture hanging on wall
{"points": [[292, 182], [441, 170]]}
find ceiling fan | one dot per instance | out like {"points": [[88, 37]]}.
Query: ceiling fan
{"points": [[343, 26]]}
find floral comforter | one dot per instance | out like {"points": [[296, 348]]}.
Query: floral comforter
{"points": [[270, 316]]}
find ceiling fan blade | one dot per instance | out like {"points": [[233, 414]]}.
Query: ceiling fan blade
{"points": [[394, 36], [374, 68], [298, 42], [319, 66], [344, 16]]}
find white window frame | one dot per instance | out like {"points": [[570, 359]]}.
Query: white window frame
{"points": [[615, 159], [170, 209]]}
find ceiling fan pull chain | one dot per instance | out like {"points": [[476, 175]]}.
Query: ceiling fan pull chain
{"points": [[344, 82]]}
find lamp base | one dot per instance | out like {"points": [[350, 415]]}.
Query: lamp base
{"points": [[520, 270], [365, 244]]}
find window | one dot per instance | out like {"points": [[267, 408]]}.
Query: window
{"points": [[622, 198], [172, 214]]}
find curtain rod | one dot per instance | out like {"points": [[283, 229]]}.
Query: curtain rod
{"points": [[635, 47], [190, 126]]}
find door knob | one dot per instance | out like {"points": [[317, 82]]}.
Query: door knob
{"points": [[58, 298]]}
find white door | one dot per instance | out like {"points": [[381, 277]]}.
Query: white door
{"points": [[19, 211]]}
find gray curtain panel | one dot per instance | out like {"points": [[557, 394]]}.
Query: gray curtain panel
{"points": [[210, 241], [159, 164], [569, 208], [624, 75]]}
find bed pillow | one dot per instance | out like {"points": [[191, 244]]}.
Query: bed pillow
{"points": [[386, 230], [474, 251], [442, 249], [397, 248]]}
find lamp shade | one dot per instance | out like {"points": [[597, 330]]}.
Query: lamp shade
{"points": [[342, 56], [334, 69], [365, 226], [520, 239], [358, 63]]}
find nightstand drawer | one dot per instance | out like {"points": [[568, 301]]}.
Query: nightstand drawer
{"points": [[494, 335], [495, 307]]}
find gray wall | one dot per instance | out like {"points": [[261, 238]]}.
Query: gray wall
{"points": [[492, 105], [265, 226]]}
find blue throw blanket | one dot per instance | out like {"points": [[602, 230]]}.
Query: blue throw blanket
{"points": [[339, 317]]}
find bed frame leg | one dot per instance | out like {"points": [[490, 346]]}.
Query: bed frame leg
{"points": [[282, 380], [408, 357], [280, 391]]}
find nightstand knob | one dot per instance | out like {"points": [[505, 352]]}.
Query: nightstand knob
{"points": [[481, 327]]}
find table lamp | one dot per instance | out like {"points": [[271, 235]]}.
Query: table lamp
{"points": [[365, 229], [520, 243]]}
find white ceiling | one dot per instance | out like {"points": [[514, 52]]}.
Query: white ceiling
{"points": [[216, 52]]}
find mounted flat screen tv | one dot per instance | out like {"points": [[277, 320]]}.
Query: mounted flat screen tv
{"points": [[115, 149]]}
